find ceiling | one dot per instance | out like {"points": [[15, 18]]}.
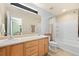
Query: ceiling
{"points": [[57, 8]]}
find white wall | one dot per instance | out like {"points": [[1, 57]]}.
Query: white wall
{"points": [[45, 17], [67, 32]]}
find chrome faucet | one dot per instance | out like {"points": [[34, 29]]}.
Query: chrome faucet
{"points": [[10, 36]]}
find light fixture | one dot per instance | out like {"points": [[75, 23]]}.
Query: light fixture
{"points": [[64, 10]]}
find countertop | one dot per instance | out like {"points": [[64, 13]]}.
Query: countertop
{"points": [[7, 42]]}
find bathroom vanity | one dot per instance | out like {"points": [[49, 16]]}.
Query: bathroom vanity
{"points": [[24, 46], [21, 33]]}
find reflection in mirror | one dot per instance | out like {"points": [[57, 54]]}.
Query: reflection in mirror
{"points": [[16, 26], [33, 28], [17, 21], [22, 22], [2, 29]]}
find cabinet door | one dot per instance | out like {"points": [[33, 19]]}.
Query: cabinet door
{"points": [[41, 47], [16, 50], [2, 51], [45, 46]]}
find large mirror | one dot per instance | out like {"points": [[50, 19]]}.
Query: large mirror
{"points": [[18, 21]]}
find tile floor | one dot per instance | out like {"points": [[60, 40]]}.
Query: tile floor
{"points": [[59, 52]]}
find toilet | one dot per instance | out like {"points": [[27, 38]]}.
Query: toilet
{"points": [[52, 43], [53, 46]]}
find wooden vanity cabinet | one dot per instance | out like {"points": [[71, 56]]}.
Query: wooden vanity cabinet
{"points": [[29, 48]]}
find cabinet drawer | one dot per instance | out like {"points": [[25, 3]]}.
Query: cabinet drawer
{"points": [[27, 52], [34, 50], [35, 54], [35, 43], [41, 42], [31, 44]]}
